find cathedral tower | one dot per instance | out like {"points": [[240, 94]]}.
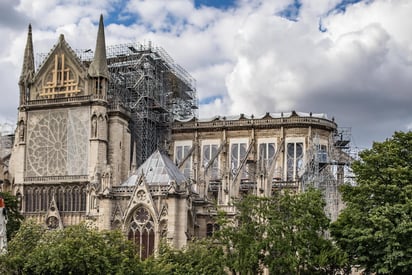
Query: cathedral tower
{"points": [[61, 160]]}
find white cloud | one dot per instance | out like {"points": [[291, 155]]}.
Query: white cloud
{"points": [[247, 59]]}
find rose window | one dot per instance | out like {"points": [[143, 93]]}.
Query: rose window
{"points": [[57, 144]]}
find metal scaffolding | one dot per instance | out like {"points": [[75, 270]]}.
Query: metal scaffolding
{"points": [[151, 86], [326, 167], [6, 139], [148, 83]]}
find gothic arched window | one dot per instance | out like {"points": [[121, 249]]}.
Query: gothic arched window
{"points": [[76, 199], [141, 232], [36, 200], [28, 196], [83, 199], [60, 199], [68, 199], [44, 199]]}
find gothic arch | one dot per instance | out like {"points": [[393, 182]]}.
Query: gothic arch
{"points": [[140, 229]]}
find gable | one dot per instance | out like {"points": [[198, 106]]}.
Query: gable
{"points": [[60, 75]]}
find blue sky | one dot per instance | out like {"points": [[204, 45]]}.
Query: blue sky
{"points": [[350, 59], [219, 4], [129, 18]]}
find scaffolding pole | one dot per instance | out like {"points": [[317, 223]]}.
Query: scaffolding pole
{"points": [[325, 167]]}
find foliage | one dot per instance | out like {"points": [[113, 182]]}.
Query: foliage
{"points": [[73, 250], [375, 229], [198, 257], [295, 241], [242, 236], [283, 233], [19, 248], [14, 218]]}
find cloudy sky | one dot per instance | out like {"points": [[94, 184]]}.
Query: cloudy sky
{"points": [[350, 59]]}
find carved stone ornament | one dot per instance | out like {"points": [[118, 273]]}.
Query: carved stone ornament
{"points": [[52, 222], [141, 195]]}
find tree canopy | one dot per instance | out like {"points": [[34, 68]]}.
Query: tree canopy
{"points": [[375, 228], [14, 218], [198, 257], [82, 250], [73, 250], [284, 233]]}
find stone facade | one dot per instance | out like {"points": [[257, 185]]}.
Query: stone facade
{"points": [[73, 159], [229, 157]]}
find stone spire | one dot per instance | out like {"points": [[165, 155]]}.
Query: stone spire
{"points": [[133, 166], [98, 67], [28, 60]]}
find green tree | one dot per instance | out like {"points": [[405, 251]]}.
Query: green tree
{"points": [[242, 236], [198, 257], [14, 218], [375, 229], [295, 240], [284, 233], [73, 250], [24, 241]]}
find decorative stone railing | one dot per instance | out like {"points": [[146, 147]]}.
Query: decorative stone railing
{"points": [[72, 99], [122, 189], [256, 123], [119, 108], [154, 189], [56, 179]]}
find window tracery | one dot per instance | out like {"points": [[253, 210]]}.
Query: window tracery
{"points": [[141, 232], [58, 143], [294, 159], [238, 149], [209, 151], [68, 199]]}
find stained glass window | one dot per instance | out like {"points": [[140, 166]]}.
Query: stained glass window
{"points": [[237, 155], [208, 152], [181, 152], [141, 232], [294, 159]]}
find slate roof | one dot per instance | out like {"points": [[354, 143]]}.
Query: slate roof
{"points": [[158, 169]]}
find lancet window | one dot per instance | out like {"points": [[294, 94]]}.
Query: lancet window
{"points": [[182, 151], [294, 159], [238, 150], [267, 150], [209, 150], [68, 199]]}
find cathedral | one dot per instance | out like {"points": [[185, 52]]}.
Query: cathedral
{"points": [[111, 137]]}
